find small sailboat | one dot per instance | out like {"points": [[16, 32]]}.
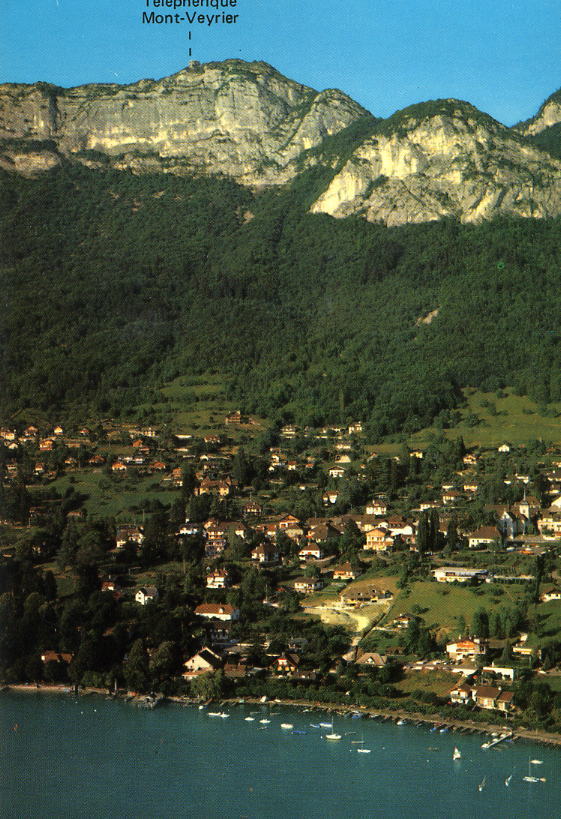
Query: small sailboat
{"points": [[264, 721], [401, 722], [360, 741], [287, 726], [531, 777], [508, 780], [333, 734], [482, 784], [457, 753]]}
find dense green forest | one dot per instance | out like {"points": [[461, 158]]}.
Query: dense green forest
{"points": [[113, 284]]}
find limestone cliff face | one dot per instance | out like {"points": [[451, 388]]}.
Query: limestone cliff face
{"points": [[247, 121], [241, 119], [443, 159], [548, 115]]}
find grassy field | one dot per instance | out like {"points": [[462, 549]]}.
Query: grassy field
{"points": [[199, 404], [110, 497], [514, 418], [439, 682], [442, 604]]}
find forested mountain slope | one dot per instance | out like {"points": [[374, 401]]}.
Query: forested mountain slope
{"points": [[114, 283]]}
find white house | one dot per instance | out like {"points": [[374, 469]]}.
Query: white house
{"points": [[146, 595], [218, 611]]}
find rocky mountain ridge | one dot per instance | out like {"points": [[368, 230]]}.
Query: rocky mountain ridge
{"points": [[246, 121]]}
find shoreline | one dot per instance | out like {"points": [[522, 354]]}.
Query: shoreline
{"points": [[465, 726]]}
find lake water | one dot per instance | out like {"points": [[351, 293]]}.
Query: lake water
{"points": [[89, 757]]}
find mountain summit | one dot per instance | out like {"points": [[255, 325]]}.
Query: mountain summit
{"points": [[248, 122]]}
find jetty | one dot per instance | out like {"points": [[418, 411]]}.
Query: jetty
{"points": [[495, 741]]}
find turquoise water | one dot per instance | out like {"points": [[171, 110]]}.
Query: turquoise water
{"points": [[95, 758]]}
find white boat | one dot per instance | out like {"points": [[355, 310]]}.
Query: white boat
{"points": [[333, 735], [264, 721], [401, 722], [507, 780], [531, 777], [287, 726], [250, 719], [482, 784], [457, 753], [221, 714], [325, 724], [363, 750]]}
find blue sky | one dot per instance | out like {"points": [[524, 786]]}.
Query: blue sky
{"points": [[501, 55]]}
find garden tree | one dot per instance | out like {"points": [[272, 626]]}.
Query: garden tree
{"points": [[135, 668], [506, 654], [208, 686], [198, 508], [71, 619], [496, 628], [239, 547], [55, 672], [91, 549], [539, 568], [418, 638], [540, 702], [452, 538], [194, 581], [191, 549], [423, 537], [87, 580], [551, 655], [242, 468], [16, 502], [480, 624], [189, 483], [69, 544], [541, 488], [433, 530], [50, 585], [356, 564], [163, 662], [461, 625], [34, 668], [86, 659], [289, 601], [9, 636], [285, 545], [351, 541]]}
